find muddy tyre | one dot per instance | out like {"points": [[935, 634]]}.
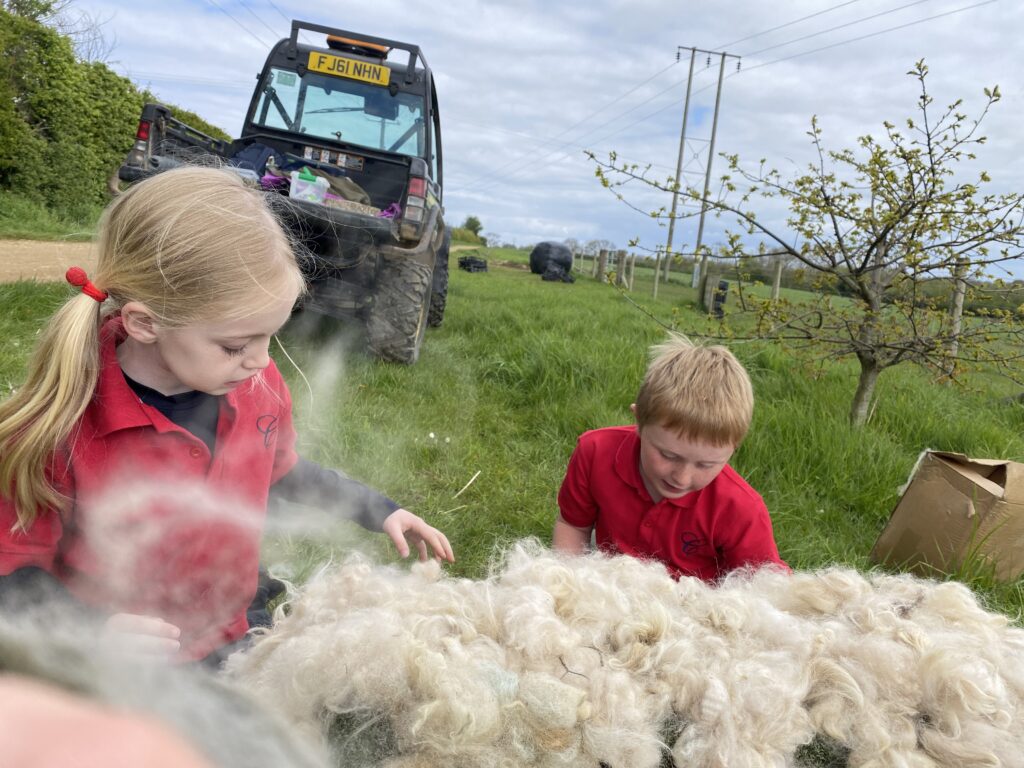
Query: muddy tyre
{"points": [[439, 285], [397, 319]]}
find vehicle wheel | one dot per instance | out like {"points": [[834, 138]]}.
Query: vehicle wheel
{"points": [[397, 318], [439, 285]]}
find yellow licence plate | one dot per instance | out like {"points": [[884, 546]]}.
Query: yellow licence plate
{"points": [[350, 68]]}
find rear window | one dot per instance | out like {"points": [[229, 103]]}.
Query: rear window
{"points": [[341, 109]]}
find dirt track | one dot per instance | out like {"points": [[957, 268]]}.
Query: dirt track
{"points": [[42, 259]]}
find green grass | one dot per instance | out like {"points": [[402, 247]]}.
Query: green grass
{"points": [[25, 305], [22, 218], [522, 366]]}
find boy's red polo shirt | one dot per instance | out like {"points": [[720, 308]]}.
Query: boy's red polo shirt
{"points": [[706, 533], [157, 526]]}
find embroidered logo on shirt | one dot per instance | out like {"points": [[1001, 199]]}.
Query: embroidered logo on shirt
{"points": [[692, 542], [267, 426]]}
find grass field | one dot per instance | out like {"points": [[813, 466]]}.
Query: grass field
{"points": [[522, 366], [20, 217]]}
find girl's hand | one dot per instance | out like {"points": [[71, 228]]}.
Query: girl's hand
{"points": [[404, 528], [147, 636]]}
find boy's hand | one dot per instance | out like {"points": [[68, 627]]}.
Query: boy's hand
{"points": [[146, 636], [404, 528]]}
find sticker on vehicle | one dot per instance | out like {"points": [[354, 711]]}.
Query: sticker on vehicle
{"points": [[340, 159], [286, 79], [350, 162]]}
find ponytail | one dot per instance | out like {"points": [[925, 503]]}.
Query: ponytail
{"points": [[190, 244], [36, 421]]}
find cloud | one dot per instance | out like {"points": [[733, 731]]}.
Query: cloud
{"points": [[524, 87]]}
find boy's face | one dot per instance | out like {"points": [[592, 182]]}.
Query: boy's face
{"points": [[672, 466]]}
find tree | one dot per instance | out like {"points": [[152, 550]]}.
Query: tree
{"points": [[35, 10], [472, 223], [66, 123], [884, 225], [594, 246], [83, 28]]}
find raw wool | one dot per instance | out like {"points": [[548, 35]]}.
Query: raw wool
{"points": [[574, 661]]}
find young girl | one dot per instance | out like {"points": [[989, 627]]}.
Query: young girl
{"points": [[137, 459]]}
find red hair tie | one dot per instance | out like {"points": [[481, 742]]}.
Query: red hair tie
{"points": [[77, 277]]}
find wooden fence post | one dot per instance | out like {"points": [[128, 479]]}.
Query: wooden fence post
{"points": [[620, 268], [657, 271], [707, 296], [602, 264], [777, 278]]}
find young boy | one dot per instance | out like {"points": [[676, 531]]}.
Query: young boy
{"points": [[664, 489]]}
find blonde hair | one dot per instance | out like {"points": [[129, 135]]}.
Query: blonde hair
{"points": [[192, 244], [703, 393]]}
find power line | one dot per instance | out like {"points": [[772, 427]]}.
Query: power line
{"points": [[552, 139], [806, 53], [586, 133], [840, 26], [475, 182], [240, 24], [873, 34], [280, 13], [759, 34], [252, 13], [787, 24], [499, 129], [161, 77]]}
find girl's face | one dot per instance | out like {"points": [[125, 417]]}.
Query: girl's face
{"points": [[210, 357]]}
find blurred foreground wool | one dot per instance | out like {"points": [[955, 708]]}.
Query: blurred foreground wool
{"points": [[69, 699], [561, 661]]}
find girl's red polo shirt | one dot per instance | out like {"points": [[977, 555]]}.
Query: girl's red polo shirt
{"points": [[157, 525], [723, 526]]}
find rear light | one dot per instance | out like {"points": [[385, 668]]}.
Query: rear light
{"points": [[418, 187], [143, 131], [415, 201]]}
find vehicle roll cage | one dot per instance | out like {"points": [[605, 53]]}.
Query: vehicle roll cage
{"points": [[412, 50]]}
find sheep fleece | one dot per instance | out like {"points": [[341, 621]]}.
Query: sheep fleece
{"points": [[578, 661]]}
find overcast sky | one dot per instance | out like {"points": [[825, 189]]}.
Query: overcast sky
{"points": [[526, 86]]}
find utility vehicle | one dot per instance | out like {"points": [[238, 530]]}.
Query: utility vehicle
{"points": [[361, 112]]}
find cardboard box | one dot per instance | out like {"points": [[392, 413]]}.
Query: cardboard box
{"points": [[953, 509]]}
